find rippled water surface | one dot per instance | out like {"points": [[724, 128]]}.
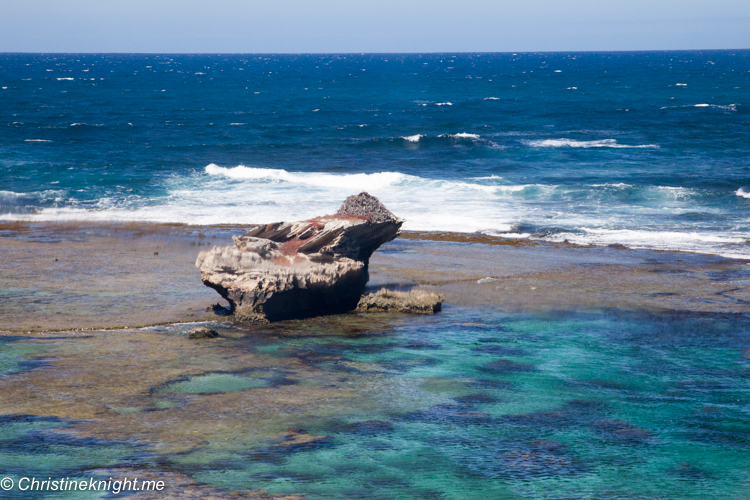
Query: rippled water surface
{"points": [[645, 149], [462, 405]]}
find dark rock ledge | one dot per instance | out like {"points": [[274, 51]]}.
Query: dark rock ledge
{"points": [[412, 302], [292, 270]]}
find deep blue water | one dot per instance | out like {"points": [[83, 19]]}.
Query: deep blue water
{"points": [[647, 149]]}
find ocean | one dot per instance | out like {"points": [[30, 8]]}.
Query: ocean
{"points": [[642, 149], [551, 372]]}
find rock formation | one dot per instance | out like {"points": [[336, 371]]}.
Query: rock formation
{"points": [[202, 332], [289, 270], [414, 302]]}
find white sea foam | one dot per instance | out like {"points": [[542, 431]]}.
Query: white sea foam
{"points": [[727, 107], [741, 192], [353, 181], [488, 279], [680, 84], [491, 98], [615, 185], [413, 138], [36, 140], [571, 143], [66, 78], [246, 195], [237, 124], [443, 104], [597, 214], [509, 235], [727, 245], [11, 194], [461, 135]]}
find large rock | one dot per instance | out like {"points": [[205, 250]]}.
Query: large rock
{"points": [[289, 270]]}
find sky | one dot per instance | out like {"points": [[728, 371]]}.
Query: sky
{"points": [[317, 26]]}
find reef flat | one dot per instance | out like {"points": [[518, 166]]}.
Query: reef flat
{"points": [[552, 368]]}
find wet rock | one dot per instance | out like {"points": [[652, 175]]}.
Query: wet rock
{"points": [[294, 270], [414, 302], [203, 332]]}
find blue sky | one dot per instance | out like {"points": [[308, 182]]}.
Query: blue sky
{"points": [[370, 26]]}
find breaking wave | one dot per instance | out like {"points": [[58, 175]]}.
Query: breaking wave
{"points": [[725, 244], [726, 107], [413, 138], [571, 143], [461, 135], [586, 214]]}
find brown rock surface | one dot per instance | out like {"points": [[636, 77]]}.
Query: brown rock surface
{"points": [[203, 332], [414, 301], [288, 270]]}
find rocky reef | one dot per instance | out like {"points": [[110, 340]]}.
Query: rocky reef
{"points": [[294, 270], [412, 302]]}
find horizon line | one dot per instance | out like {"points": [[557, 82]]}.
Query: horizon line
{"points": [[372, 53]]}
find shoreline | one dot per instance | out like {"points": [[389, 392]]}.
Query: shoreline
{"points": [[101, 276], [7, 228]]}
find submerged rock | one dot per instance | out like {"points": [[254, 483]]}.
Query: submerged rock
{"points": [[414, 301], [297, 440], [368, 427], [203, 332], [290, 270]]}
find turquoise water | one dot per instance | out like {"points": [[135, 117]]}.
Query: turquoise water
{"points": [[30, 447], [598, 405], [644, 149], [473, 404]]}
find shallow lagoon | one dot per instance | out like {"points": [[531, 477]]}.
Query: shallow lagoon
{"points": [[465, 404]]}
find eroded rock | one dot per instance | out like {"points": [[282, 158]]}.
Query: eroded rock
{"points": [[289, 270], [202, 332], [414, 302]]}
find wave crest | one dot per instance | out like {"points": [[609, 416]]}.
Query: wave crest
{"points": [[571, 143], [461, 135], [318, 179], [413, 138]]}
